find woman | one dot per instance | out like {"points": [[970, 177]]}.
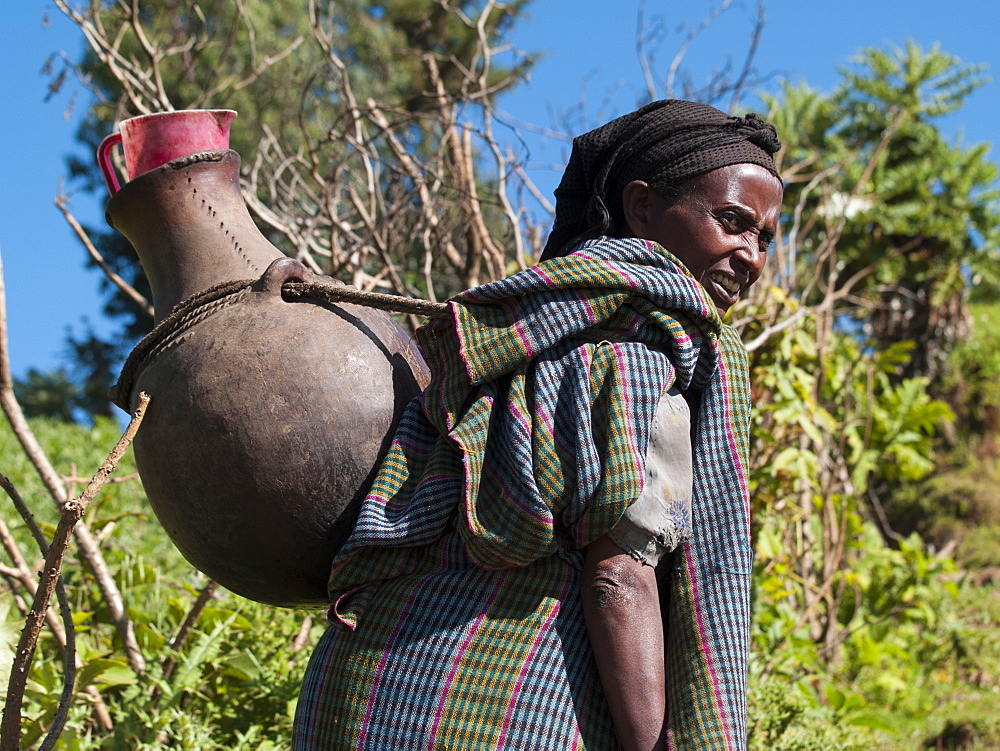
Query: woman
{"points": [[504, 585]]}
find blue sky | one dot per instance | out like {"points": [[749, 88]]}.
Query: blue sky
{"points": [[588, 55]]}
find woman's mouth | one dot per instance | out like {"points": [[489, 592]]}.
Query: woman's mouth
{"points": [[724, 289]]}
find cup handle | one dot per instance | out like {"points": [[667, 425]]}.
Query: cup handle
{"points": [[104, 161]]}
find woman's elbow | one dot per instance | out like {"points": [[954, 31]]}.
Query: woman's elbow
{"points": [[619, 582]]}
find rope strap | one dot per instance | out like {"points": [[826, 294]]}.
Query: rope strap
{"points": [[335, 293], [191, 308], [185, 312]]}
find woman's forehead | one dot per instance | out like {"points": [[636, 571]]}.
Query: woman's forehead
{"points": [[735, 180]]}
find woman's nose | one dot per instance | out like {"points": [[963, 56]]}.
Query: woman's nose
{"points": [[752, 256]]}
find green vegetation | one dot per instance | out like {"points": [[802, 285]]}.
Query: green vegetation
{"points": [[859, 641], [232, 684], [910, 656], [874, 473]]}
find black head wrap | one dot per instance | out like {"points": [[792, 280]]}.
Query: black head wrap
{"points": [[664, 144]]}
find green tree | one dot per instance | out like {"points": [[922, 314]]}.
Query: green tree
{"points": [[863, 320], [53, 394], [363, 126], [892, 225]]}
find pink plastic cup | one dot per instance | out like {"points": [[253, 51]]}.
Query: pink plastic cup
{"points": [[150, 141]]}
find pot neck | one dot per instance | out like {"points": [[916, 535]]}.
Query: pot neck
{"points": [[190, 227]]}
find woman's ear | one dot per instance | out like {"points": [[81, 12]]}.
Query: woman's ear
{"points": [[635, 208]]}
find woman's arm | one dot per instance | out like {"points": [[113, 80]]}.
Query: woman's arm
{"points": [[622, 610]]}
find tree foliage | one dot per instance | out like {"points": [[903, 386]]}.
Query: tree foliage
{"points": [[888, 229], [890, 223], [363, 123], [367, 129]]}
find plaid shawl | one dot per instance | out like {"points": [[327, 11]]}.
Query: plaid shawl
{"points": [[529, 443]]}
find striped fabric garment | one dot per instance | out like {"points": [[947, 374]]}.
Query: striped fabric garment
{"points": [[456, 619]]}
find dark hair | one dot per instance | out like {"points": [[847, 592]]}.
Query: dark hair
{"points": [[665, 144]]}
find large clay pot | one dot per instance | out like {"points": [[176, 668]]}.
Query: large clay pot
{"points": [[267, 419]]}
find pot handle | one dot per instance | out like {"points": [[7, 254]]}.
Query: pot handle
{"points": [[104, 162], [282, 270]]}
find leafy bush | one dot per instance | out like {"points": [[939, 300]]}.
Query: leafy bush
{"points": [[233, 683], [914, 658], [960, 502], [786, 718]]}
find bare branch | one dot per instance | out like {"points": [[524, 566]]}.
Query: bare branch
{"points": [[70, 515], [177, 643], [762, 338], [744, 76], [645, 60], [154, 54], [682, 51], [53, 483], [61, 202], [27, 578]]}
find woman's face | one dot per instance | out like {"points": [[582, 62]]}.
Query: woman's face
{"points": [[720, 228]]}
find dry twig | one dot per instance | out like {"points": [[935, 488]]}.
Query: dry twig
{"points": [[89, 548], [187, 626], [72, 512], [62, 203]]}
